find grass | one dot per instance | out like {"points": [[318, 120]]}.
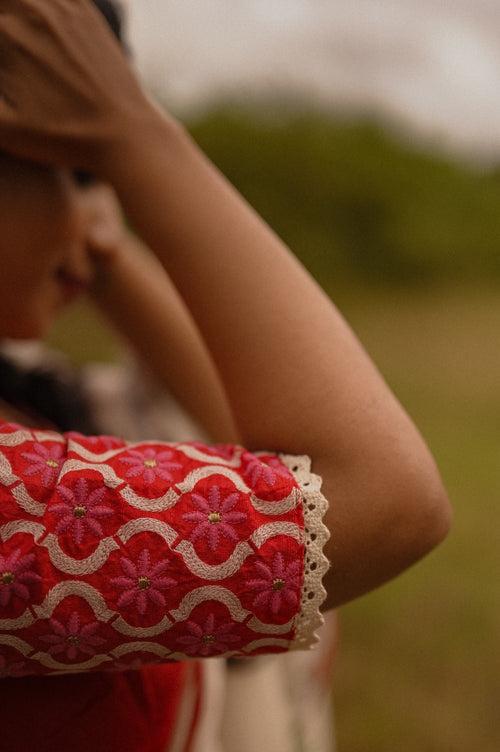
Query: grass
{"points": [[419, 665]]}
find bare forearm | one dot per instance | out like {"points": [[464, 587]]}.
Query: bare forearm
{"points": [[295, 375], [137, 296]]}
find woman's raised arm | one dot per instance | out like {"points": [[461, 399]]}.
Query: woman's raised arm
{"points": [[297, 379]]}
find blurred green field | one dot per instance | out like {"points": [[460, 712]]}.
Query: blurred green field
{"points": [[419, 666]]}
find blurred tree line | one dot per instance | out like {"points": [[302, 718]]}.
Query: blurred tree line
{"points": [[351, 199]]}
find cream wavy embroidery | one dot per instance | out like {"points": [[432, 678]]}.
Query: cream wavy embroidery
{"points": [[213, 571], [196, 454], [210, 593], [110, 477], [7, 477], [94, 457], [316, 534], [52, 436], [25, 620], [148, 647], [180, 657], [73, 587], [26, 502], [14, 439], [69, 565], [49, 662], [189, 451], [190, 481], [170, 499], [15, 642], [21, 526], [146, 524], [185, 657], [272, 529], [284, 506], [258, 626], [160, 504], [266, 642], [120, 625]]}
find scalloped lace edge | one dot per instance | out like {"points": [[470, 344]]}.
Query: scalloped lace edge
{"points": [[315, 506]]}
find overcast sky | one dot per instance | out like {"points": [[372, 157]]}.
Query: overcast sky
{"points": [[434, 63]]}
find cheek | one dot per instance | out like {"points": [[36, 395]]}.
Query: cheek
{"points": [[28, 302], [31, 250], [28, 254]]}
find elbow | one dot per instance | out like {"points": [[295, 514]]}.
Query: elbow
{"points": [[383, 524], [442, 515], [423, 512]]}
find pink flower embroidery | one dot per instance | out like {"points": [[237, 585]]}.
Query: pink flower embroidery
{"points": [[277, 582], [73, 638], [15, 575], [142, 582], [268, 471], [209, 639], [108, 442], [150, 463], [80, 510], [10, 426], [45, 462], [214, 516]]}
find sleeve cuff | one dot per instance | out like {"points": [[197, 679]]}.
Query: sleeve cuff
{"points": [[316, 534]]}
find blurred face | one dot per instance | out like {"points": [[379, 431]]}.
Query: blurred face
{"points": [[44, 263]]}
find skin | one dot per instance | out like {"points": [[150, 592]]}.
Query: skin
{"points": [[43, 230], [61, 241], [295, 377]]}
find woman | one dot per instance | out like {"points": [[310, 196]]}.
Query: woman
{"points": [[284, 378]]}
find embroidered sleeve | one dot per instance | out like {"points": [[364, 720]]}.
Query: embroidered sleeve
{"points": [[115, 554]]}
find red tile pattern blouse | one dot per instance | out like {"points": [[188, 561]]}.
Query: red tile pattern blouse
{"points": [[116, 554]]}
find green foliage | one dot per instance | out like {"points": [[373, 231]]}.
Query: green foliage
{"points": [[418, 664], [349, 198]]}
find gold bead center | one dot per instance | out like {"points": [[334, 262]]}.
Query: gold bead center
{"points": [[214, 518], [144, 583], [7, 578], [278, 584], [52, 463], [150, 463], [79, 511]]}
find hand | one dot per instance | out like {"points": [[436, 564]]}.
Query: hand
{"points": [[106, 231], [108, 240], [67, 92]]}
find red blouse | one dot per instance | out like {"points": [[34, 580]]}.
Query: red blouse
{"points": [[117, 555]]}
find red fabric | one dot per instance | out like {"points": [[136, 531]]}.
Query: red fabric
{"points": [[196, 710], [115, 554], [128, 711]]}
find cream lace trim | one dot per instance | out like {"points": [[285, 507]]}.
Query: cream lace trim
{"points": [[315, 506]]}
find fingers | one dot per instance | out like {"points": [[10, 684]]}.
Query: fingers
{"points": [[66, 88], [105, 225]]}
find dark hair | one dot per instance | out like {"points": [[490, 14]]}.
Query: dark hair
{"points": [[45, 392], [113, 14]]}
